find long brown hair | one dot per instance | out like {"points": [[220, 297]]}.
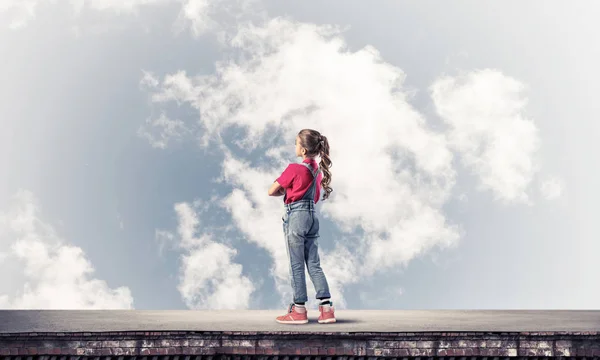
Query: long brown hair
{"points": [[317, 144]]}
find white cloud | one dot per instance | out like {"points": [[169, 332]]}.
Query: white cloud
{"points": [[551, 188], [119, 6], [391, 174], [162, 130], [165, 239], [218, 16], [199, 16], [196, 14], [485, 112], [209, 279], [18, 12], [45, 272], [21, 12]]}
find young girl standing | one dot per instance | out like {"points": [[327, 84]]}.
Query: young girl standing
{"points": [[299, 184]]}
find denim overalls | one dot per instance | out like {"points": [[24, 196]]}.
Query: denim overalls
{"points": [[301, 231]]}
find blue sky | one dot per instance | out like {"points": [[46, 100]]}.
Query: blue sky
{"points": [[139, 140]]}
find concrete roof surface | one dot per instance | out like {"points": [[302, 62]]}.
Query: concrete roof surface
{"points": [[13, 321]]}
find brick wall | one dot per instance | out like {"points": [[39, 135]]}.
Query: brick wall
{"points": [[326, 346]]}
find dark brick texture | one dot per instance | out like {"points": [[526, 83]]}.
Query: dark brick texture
{"points": [[297, 346]]}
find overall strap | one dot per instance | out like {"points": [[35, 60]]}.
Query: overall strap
{"points": [[313, 172], [310, 193]]}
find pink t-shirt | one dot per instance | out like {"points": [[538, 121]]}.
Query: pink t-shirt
{"points": [[296, 180]]}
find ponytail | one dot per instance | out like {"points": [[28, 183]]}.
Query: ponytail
{"points": [[325, 165], [317, 144]]}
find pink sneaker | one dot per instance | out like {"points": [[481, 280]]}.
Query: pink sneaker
{"points": [[293, 316], [327, 314]]}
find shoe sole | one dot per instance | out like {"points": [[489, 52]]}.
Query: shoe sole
{"points": [[295, 322], [327, 321]]}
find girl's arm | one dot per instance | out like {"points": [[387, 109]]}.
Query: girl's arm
{"points": [[276, 190]]}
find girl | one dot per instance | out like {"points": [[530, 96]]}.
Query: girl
{"points": [[299, 184]]}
